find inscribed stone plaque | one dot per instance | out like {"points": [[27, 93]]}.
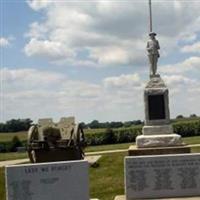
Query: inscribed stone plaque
{"points": [[156, 107], [162, 176], [48, 181]]}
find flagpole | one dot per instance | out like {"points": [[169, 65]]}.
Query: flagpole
{"points": [[150, 16]]}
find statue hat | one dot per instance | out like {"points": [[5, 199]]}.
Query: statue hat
{"points": [[152, 33]]}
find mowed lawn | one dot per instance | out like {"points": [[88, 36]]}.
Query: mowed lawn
{"points": [[106, 180], [13, 156]]}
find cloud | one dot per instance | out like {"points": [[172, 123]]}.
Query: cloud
{"points": [[183, 94], [39, 93], [39, 4], [112, 33], [194, 48], [4, 42], [190, 64], [46, 48], [123, 81]]}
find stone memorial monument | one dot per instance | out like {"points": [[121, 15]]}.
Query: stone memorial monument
{"points": [[67, 180], [157, 131], [161, 165]]}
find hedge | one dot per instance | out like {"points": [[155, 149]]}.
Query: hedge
{"points": [[123, 135]]}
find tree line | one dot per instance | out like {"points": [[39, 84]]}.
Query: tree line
{"points": [[15, 125], [96, 124]]}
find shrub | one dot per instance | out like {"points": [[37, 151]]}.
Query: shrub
{"points": [[124, 135], [109, 136], [14, 144]]}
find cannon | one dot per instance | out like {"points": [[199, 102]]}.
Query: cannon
{"points": [[51, 142]]}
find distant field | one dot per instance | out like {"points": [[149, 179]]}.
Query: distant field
{"points": [[5, 137]]}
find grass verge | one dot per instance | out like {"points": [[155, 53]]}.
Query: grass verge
{"points": [[12, 156], [106, 181]]}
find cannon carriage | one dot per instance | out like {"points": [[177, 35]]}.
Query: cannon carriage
{"points": [[50, 142]]}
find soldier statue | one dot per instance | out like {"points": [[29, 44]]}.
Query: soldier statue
{"points": [[153, 53]]}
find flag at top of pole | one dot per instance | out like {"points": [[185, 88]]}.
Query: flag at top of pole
{"points": [[150, 17]]}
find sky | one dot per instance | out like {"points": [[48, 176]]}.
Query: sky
{"points": [[87, 58]]}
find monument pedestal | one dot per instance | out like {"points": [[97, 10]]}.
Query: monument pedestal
{"points": [[157, 131], [160, 165], [164, 140], [134, 151]]}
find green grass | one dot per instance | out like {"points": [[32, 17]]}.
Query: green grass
{"points": [[6, 137], [195, 149], [12, 156], [106, 181], [108, 147], [192, 140], [2, 184]]}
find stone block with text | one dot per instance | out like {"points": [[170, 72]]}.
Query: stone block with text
{"points": [[162, 176], [66, 180]]}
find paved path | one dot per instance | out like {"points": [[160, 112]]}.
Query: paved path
{"points": [[13, 162], [106, 152]]}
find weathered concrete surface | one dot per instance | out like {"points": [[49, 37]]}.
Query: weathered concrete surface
{"points": [[143, 141], [134, 151], [92, 160], [122, 197]]}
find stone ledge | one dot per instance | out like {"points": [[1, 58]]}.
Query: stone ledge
{"points": [[122, 197], [165, 140], [157, 130], [134, 151]]}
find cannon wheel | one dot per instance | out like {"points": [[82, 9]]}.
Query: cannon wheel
{"points": [[31, 136]]}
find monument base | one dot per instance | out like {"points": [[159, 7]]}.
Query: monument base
{"points": [[162, 140], [157, 130], [134, 151], [122, 197]]}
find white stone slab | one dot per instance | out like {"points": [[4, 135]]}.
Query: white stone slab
{"points": [[92, 160], [48, 181], [162, 176], [157, 130], [169, 140], [122, 197]]}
